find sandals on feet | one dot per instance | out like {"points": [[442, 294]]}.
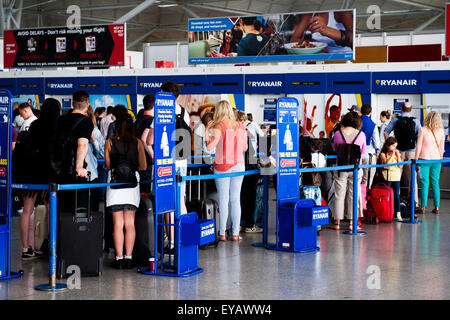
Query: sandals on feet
{"points": [[222, 238], [236, 238], [335, 227]]}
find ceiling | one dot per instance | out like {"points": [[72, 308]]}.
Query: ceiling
{"points": [[166, 20]]}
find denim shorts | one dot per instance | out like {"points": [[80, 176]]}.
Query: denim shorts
{"points": [[122, 207]]}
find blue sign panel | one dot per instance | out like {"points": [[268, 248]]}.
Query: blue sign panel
{"points": [[396, 82], [288, 148], [62, 86], [120, 85], [92, 85], [194, 84], [151, 85], [435, 81], [348, 82], [9, 84], [30, 86], [306, 83], [164, 152], [264, 83], [5, 175], [225, 83]]}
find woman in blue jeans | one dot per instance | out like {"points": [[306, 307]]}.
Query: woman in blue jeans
{"points": [[229, 138]]}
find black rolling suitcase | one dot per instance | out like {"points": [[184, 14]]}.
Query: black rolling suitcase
{"points": [[205, 209], [80, 239], [144, 222]]}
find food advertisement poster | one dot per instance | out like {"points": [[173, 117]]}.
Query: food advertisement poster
{"points": [[99, 45], [305, 36]]}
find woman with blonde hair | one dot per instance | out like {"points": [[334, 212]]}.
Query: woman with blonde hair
{"points": [[430, 146], [229, 137]]}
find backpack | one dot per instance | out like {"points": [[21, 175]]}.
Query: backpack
{"points": [[139, 126], [62, 155], [123, 170], [181, 124], [348, 153], [405, 133], [23, 155]]}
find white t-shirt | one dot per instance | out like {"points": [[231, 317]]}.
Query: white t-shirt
{"points": [[318, 159], [26, 123], [18, 121]]}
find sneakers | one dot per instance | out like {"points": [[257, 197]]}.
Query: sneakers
{"points": [[128, 264], [253, 229], [118, 264], [399, 217], [29, 254]]}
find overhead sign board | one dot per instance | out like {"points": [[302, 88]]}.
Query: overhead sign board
{"points": [[98, 45]]}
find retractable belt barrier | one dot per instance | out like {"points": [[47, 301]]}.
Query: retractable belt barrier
{"points": [[53, 188]]}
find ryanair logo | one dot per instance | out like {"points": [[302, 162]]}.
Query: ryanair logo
{"points": [[265, 84], [60, 85], [150, 84], [388, 83]]}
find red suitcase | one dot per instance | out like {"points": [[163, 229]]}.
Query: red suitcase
{"points": [[380, 204]]}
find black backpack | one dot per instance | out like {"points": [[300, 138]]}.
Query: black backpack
{"points": [[348, 153], [62, 154], [139, 126], [24, 154], [123, 170], [181, 124], [405, 133]]}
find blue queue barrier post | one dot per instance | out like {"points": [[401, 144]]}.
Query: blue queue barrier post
{"points": [[354, 231], [413, 220], [264, 243], [52, 286]]}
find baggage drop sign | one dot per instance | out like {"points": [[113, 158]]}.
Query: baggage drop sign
{"points": [[5, 153], [164, 131], [288, 148]]}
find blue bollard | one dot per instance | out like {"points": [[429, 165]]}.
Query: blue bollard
{"points": [[52, 285], [413, 220], [355, 231]]}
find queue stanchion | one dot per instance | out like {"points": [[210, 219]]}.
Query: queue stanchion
{"points": [[355, 231], [52, 286], [413, 220]]}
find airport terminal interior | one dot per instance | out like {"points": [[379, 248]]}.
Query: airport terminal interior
{"points": [[316, 165]]}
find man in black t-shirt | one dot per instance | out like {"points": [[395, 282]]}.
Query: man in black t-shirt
{"points": [[82, 131]]}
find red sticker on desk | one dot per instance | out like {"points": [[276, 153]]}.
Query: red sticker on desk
{"points": [[288, 163], [164, 171]]}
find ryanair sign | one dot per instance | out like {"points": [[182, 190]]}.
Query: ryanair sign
{"points": [[396, 82], [152, 85], [264, 83], [59, 85], [409, 82]]}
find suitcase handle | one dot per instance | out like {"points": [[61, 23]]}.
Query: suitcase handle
{"points": [[76, 216]]}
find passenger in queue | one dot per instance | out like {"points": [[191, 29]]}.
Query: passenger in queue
{"points": [[430, 146], [126, 150], [229, 158], [38, 170], [349, 133]]}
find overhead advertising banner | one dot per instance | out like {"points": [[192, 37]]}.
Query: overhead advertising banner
{"points": [[99, 45], [304, 36], [447, 29]]}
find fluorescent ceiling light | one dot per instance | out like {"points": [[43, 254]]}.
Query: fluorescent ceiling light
{"points": [[167, 5]]}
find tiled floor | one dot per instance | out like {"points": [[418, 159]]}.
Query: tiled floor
{"points": [[413, 260]]}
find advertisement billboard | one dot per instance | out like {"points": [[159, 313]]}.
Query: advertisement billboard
{"points": [[99, 45], [447, 29], [304, 36]]}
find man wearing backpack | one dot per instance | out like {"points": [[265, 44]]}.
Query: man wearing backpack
{"points": [[372, 142], [144, 128], [406, 130], [182, 147], [70, 145]]}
